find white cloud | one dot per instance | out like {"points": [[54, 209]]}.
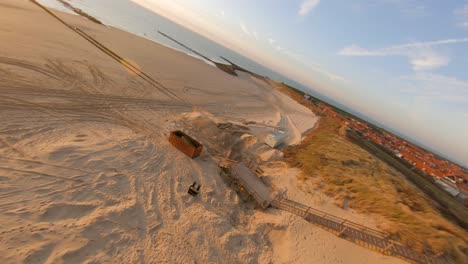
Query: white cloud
{"points": [[355, 50], [427, 60], [314, 66], [421, 55], [249, 31], [307, 6], [437, 88], [412, 8], [271, 41], [462, 15], [244, 29], [433, 43], [255, 34], [220, 14]]}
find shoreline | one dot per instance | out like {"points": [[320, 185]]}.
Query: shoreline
{"points": [[144, 35]]}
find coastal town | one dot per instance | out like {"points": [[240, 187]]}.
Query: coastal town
{"points": [[449, 176]]}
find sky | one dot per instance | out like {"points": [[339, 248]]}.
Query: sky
{"points": [[401, 62]]}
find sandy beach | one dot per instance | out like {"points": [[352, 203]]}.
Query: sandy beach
{"points": [[87, 174]]}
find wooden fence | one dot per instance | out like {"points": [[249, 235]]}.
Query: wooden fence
{"points": [[355, 232]]}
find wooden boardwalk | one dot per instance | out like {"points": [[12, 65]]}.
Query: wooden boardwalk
{"points": [[245, 178], [248, 180], [354, 232]]}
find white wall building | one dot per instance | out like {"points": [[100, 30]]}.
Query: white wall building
{"points": [[275, 139], [448, 187]]}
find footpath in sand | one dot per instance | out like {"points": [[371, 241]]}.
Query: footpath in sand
{"points": [[87, 174]]}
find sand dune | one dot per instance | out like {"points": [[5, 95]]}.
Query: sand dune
{"points": [[87, 174]]}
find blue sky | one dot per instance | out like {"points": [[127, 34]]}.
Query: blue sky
{"points": [[402, 62]]}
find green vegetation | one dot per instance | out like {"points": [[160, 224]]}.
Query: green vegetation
{"points": [[449, 205], [342, 169]]}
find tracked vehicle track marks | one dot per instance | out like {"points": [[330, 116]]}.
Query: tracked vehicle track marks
{"points": [[29, 66]]}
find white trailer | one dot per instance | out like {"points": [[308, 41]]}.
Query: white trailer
{"points": [[276, 138]]}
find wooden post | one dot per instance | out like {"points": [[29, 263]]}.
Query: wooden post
{"points": [[389, 246], [342, 231], [306, 212]]}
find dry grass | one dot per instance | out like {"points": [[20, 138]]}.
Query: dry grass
{"points": [[342, 169]]}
